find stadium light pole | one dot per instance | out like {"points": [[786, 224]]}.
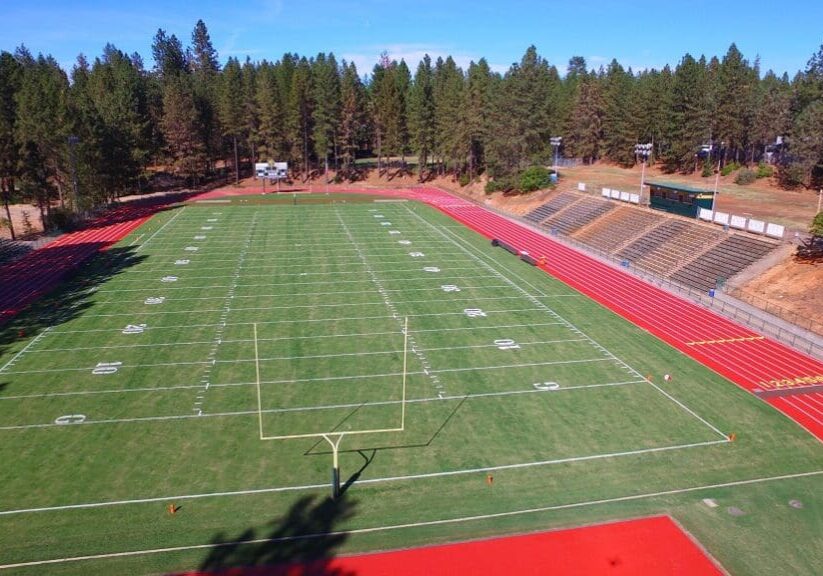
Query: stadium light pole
{"points": [[644, 151], [717, 176], [556, 141]]}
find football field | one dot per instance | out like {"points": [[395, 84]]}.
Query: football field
{"points": [[208, 360]]}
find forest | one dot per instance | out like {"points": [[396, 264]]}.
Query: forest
{"points": [[72, 141]]}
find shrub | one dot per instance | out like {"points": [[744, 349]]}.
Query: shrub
{"points": [[764, 170], [708, 169], [499, 184], [464, 179], [792, 176], [534, 178], [729, 168], [745, 176]]}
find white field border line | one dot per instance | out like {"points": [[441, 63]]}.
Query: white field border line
{"points": [[289, 338], [25, 349], [425, 523], [169, 221], [462, 244], [176, 326], [293, 294], [407, 478]]}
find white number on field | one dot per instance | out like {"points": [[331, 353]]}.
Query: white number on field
{"points": [[70, 419], [404, 242], [134, 329], [506, 344], [474, 313], [385, 223], [181, 262], [394, 231], [200, 237], [416, 254], [546, 386], [431, 269], [169, 279], [106, 368], [155, 300], [450, 288], [191, 248]]}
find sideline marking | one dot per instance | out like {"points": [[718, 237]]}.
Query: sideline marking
{"points": [[25, 349], [150, 238]]}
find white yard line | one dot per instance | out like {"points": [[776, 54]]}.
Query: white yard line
{"points": [[411, 525], [411, 477], [177, 326]]}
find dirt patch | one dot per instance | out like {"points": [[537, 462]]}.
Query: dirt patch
{"points": [[20, 215]]}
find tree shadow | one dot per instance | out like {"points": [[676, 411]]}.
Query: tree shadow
{"points": [[55, 285], [303, 541]]}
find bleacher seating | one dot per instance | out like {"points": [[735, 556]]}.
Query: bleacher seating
{"points": [[556, 204], [578, 215], [687, 242], [723, 261], [615, 229]]}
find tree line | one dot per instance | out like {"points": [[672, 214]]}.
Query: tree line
{"points": [[89, 136]]}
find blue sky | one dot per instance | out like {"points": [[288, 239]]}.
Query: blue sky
{"points": [[640, 34]]}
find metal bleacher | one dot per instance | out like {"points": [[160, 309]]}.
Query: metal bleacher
{"points": [[723, 261], [578, 214], [556, 204], [615, 229]]}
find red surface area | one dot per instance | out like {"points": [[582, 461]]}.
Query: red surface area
{"points": [[26, 279], [647, 547]]}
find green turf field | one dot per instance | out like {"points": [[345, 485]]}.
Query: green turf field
{"points": [[152, 376]]}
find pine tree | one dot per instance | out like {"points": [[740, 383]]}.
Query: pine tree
{"points": [[10, 78], [326, 111], [299, 114], [688, 124], [586, 134], [231, 108], [734, 101], [451, 142], [180, 128], [421, 114], [620, 130], [477, 113], [271, 117], [352, 130]]}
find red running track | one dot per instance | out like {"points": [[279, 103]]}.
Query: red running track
{"points": [[750, 360], [653, 546], [26, 279]]}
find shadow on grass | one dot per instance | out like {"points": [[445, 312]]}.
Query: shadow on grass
{"points": [[69, 294], [303, 541]]}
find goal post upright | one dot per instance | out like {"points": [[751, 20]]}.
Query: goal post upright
{"points": [[333, 438]]}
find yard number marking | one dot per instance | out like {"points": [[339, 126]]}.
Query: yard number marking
{"points": [[70, 419], [416, 254], [206, 227], [450, 288], [191, 248], [385, 223], [394, 231], [506, 344], [379, 216], [155, 300], [404, 242], [200, 237], [546, 386], [212, 220], [181, 262], [106, 368], [431, 269], [474, 313], [134, 329], [169, 279]]}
